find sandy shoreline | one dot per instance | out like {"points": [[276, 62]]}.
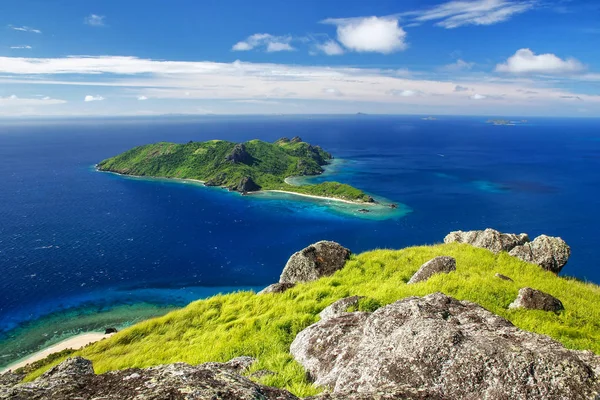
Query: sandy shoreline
{"points": [[75, 343], [250, 193]]}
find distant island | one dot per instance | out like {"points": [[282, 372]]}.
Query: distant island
{"points": [[429, 119], [242, 167], [505, 122]]}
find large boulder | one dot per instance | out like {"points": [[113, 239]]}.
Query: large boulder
{"points": [[533, 299], [339, 307], [173, 381], [550, 253], [489, 239], [447, 348], [277, 288], [315, 261], [437, 265]]}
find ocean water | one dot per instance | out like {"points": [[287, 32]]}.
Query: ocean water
{"points": [[80, 249]]}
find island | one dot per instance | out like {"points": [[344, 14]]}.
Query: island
{"points": [[500, 122], [247, 167]]}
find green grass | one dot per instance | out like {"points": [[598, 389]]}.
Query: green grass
{"points": [[268, 165], [243, 323]]}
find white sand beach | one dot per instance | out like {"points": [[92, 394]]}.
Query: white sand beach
{"points": [[75, 343]]}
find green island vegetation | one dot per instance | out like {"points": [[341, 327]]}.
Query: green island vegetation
{"points": [[263, 326], [244, 167]]}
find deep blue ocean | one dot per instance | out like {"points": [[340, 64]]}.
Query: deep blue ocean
{"points": [[71, 237]]}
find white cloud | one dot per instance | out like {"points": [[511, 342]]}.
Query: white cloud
{"points": [[459, 88], [478, 96], [370, 34], [459, 65], [24, 29], [333, 91], [331, 48], [94, 20], [266, 41], [458, 13], [404, 93], [89, 98], [524, 61], [27, 47], [142, 97], [15, 101]]}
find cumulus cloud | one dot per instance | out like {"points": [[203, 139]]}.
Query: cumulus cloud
{"points": [[266, 41], [26, 47], [459, 65], [459, 88], [142, 98], [458, 13], [333, 91], [478, 96], [89, 98], [524, 61], [94, 20], [331, 48], [404, 93], [370, 34], [24, 29]]}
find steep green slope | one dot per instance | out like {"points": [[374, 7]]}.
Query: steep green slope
{"points": [[263, 326], [244, 167]]}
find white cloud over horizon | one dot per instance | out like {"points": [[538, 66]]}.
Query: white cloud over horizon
{"points": [[276, 85], [25, 47], [24, 29], [266, 41], [370, 34], [331, 48], [89, 98], [525, 61], [458, 65]]}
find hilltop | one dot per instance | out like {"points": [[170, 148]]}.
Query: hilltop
{"points": [[477, 297], [243, 167]]}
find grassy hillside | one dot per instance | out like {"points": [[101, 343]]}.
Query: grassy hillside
{"points": [[223, 163], [225, 326]]}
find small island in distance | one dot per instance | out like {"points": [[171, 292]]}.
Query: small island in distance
{"points": [[505, 122], [242, 167]]}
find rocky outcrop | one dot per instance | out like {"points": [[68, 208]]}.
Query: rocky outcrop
{"points": [[108, 331], [446, 348], [550, 253], [317, 260], [75, 379], [239, 155], [277, 288], [438, 265], [245, 185], [405, 394], [339, 307], [489, 239], [503, 277], [533, 299], [296, 139]]}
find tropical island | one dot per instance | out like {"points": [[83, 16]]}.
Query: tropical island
{"points": [[247, 167], [500, 122]]}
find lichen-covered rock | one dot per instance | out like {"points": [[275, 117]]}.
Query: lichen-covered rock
{"points": [[437, 265], [550, 253], [10, 379], [536, 300], [317, 260], [447, 348], [489, 239], [339, 307], [406, 394], [174, 381], [277, 288]]}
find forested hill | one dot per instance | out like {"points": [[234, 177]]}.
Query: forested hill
{"points": [[244, 167]]}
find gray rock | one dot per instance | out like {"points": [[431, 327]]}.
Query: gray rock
{"points": [[447, 348], [438, 265], [339, 307], [503, 277], [489, 239], [550, 253], [536, 300], [406, 394], [71, 367], [317, 260], [277, 288], [174, 381], [245, 185], [239, 154], [10, 379]]}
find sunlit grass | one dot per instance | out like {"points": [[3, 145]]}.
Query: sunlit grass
{"points": [[226, 326]]}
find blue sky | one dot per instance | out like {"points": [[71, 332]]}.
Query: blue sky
{"points": [[478, 57]]}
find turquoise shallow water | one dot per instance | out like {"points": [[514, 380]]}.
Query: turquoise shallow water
{"points": [[74, 241]]}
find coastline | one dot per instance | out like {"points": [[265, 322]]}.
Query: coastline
{"points": [[358, 203], [76, 342]]}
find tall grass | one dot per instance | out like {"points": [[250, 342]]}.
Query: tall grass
{"points": [[243, 323]]}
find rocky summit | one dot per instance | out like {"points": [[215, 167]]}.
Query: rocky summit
{"points": [[448, 348]]}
